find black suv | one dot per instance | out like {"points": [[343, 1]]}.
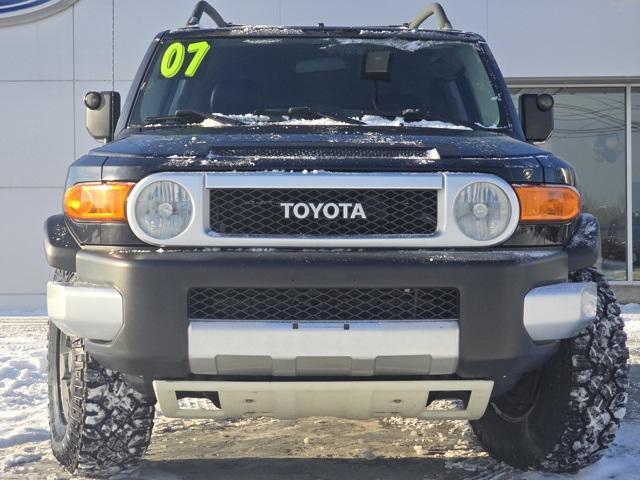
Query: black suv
{"points": [[297, 221]]}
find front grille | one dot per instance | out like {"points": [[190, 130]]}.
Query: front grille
{"points": [[316, 304], [259, 212]]}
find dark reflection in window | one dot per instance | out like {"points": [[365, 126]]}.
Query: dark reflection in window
{"points": [[635, 155], [590, 134]]}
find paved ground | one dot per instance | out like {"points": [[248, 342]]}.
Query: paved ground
{"points": [[315, 448]]}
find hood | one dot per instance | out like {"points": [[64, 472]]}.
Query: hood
{"points": [[199, 142], [335, 148]]}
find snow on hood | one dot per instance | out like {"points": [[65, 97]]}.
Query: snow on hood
{"points": [[252, 119], [371, 120], [375, 120]]}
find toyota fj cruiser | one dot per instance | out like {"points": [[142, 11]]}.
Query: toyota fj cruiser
{"points": [[349, 222]]}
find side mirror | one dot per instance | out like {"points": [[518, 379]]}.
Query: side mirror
{"points": [[536, 116], [103, 112]]}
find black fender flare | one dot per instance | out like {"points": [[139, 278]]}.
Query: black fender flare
{"points": [[583, 248], [59, 244]]}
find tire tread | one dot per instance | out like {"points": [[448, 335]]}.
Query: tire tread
{"points": [[581, 398], [109, 425]]}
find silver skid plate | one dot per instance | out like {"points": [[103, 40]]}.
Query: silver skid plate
{"points": [[290, 400]]}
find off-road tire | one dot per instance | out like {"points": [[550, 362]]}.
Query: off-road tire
{"points": [[563, 416], [107, 425]]}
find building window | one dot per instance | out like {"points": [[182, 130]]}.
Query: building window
{"points": [[590, 134], [635, 187]]}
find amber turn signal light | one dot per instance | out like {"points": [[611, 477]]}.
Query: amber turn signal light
{"points": [[97, 202], [547, 203]]}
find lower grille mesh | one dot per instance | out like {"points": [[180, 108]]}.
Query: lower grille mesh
{"points": [[313, 304]]}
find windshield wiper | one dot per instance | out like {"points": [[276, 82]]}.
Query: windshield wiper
{"points": [[191, 116], [308, 113], [417, 115]]}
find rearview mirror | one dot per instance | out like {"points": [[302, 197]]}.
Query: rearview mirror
{"points": [[103, 112], [536, 116], [377, 65]]}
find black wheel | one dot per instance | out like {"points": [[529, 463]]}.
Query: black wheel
{"points": [[563, 416], [99, 425]]}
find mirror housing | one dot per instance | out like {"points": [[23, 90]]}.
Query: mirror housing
{"points": [[536, 116], [377, 65], [103, 112]]}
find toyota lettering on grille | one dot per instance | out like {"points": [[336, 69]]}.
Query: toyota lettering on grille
{"points": [[330, 211]]}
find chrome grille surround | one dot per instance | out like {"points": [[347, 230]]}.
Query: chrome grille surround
{"points": [[447, 185]]}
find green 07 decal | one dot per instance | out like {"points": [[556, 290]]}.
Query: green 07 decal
{"points": [[174, 56]]}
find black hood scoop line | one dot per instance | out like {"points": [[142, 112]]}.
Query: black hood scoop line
{"points": [[291, 152]]}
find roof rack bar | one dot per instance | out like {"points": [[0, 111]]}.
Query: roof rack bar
{"points": [[433, 9], [205, 7]]}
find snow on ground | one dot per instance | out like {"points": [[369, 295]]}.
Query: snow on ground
{"points": [[392, 448], [631, 315], [23, 378]]}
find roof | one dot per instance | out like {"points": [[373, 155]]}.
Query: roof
{"points": [[408, 30]]}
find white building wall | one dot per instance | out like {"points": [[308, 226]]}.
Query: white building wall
{"points": [[48, 65]]}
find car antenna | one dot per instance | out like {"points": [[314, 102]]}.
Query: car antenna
{"points": [[205, 7], [433, 9]]}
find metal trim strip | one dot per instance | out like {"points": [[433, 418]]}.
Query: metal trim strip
{"points": [[88, 312], [362, 341], [558, 311]]}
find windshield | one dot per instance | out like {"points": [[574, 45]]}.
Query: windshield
{"points": [[323, 80]]}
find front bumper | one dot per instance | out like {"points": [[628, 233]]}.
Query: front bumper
{"points": [[369, 348], [489, 340], [140, 324]]}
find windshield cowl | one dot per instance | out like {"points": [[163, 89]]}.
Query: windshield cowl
{"points": [[252, 120]]}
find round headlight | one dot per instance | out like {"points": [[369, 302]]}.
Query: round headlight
{"points": [[482, 211], [163, 210]]}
